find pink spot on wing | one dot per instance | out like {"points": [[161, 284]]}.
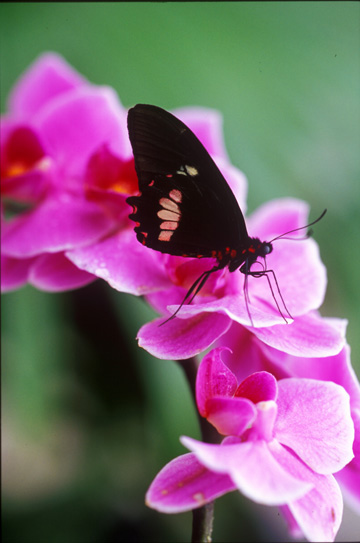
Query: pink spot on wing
{"points": [[165, 235], [176, 195], [169, 225]]}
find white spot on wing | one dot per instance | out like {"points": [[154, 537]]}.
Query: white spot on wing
{"points": [[167, 215], [188, 170], [191, 170], [170, 205]]}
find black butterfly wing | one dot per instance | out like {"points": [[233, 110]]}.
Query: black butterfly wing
{"points": [[185, 207]]}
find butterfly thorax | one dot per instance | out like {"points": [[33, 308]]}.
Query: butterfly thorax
{"points": [[247, 256]]}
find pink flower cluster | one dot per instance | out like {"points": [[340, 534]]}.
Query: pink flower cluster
{"points": [[283, 442], [285, 396], [66, 169]]}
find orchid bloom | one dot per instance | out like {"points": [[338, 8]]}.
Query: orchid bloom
{"points": [[283, 442], [60, 137]]}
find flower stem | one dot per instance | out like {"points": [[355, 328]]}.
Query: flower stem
{"points": [[203, 523], [203, 516]]}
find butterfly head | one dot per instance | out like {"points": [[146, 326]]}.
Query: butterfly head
{"points": [[247, 256]]}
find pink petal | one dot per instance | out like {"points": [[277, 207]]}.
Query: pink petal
{"points": [[349, 477], [27, 188], [124, 263], [48, 77], [24, 168], [213, 379], [55, 273], [233, 306], [277, 217], [319, 512], [59, 223], [75, 127], [323, 442], [14, 272], [180, 339], [300, 274], [336, 368], [253, 469], [230, 416], [258, 387], [246, 357], [307, 336], [185, 484]]}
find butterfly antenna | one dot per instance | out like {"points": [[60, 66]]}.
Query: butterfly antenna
{"points": [[192, 292], [282, 236]]}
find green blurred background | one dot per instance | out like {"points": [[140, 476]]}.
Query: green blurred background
{"points": [[89, 418]]}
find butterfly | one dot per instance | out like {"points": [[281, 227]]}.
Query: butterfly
{"points": [[185, 206]]}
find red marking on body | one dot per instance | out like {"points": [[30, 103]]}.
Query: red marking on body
{"points": [[151, 183], [233, 253], [251, 249], [169, 175]]}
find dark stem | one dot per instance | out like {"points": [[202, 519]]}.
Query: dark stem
{"points": [[203, 516], [202, 526]]}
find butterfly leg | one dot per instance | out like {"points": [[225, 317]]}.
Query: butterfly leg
{"points": [[246, 272], [247, 298], [265, 273], [193, 291]]}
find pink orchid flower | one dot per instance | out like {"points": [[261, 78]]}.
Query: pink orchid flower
{"points": [[301, 277], [284, 441], [252, 353], [164, 279], [60, 136]]}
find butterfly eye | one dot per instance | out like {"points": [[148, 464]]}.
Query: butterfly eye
{"points": [[267, 248]]}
